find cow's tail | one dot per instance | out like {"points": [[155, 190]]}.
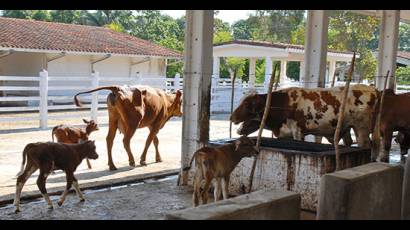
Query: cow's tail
{"points": [[26, 149], [186, 168], [113, 89]]}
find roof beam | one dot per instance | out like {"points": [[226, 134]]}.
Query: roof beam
{"points": [[99, 60], [62, 54], [6, 53]]}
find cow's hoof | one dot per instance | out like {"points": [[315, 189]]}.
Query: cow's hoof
{"points": [[51, 207], [112, 168], [132, 164], [82, 200], [59, 203], [16, 211], [158, 160], [143, 163]]}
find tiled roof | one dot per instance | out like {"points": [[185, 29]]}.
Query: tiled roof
{"points": [[40, 35], [403, 54], [273, 45]]}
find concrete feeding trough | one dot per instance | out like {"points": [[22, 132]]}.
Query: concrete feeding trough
{"points": [[297, 166]]}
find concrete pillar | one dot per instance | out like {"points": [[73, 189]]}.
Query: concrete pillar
{"points": [[43, 104], [389, 32], [315, 48], [216, 67], [283, 67], [405, 203], [332, 70], [252, 74], [268, 71], [197, 83], [94, 100]]}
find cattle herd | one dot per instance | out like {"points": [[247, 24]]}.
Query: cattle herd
{"points": [[294, 113]]}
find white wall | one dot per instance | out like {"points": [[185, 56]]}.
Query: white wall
{"points": [[21, 64]]}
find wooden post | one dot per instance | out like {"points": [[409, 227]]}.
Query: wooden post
{"points": [[341, 113], [43, 99], [94, 101], [376, 136], [232, 99], [333, 80], [276, 87], [262, 125]]}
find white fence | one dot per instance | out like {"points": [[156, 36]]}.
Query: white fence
{"points": [[43, 94]]}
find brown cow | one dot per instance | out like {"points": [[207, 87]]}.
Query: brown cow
{"points": [[218, 163], [403, 139], [47, 156], [73, 135], [394, 117], [130, 108]]}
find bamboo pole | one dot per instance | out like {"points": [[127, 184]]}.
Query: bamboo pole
{"points": [[232, 97], [376, 136], [342, 112], [333, 80], [262, 125]]}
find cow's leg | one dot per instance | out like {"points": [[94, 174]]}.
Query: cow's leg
{"points": [[88, 163], [197, 188], [21, 180], [205, 192], [363, 139], [387, 138], [45, 170], [225, 189], [113, 124], [318, 139], [156, 143], [77, 189], [217, 189], [347, 138], [70, 179], [153, 132], [126, 141]]}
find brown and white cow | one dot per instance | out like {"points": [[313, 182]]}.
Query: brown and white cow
{"points": [[73, 135], [130, 108], [297, 112], [47, 156], [394, 117], [218, 163]]}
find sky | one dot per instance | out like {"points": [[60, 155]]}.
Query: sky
{"points": [[226, 15]]}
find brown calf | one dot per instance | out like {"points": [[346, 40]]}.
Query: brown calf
{"points": [[218, 163], [130, 108], [47, 156], [73, 135], [394, 117]]}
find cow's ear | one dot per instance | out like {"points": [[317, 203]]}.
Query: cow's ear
{"points": [[137, 97], [86, 121]]}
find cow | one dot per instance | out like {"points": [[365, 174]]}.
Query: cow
{"points": [[72, 135], [218, 163], [47, 156], [250, 126], [393, 118], [132, 107], [297, 112]]}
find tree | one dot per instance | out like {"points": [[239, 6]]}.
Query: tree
{"points": [[42, 15], [404, 37], [403, 75], [350, 31], [242, 30]]}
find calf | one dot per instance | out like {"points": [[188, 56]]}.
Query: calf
{"points": [[403, 139], [47, 156], [73, 135], [393, 118], [218, 163]]}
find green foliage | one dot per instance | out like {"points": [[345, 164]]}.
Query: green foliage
{"points": [[242, 30], [234, 66], [403, 75], [293, 70], [404, 37]]}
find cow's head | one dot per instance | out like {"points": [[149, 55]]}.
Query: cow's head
{"points": [[403, 139], [250, 108], [90, 151], [91, 125], [176, 107], [245, 147], [248, 127]]}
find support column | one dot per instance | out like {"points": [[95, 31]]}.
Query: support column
{"points": [[315, 48], [301, 71], [389, 32], [283, 67], [216, 67], [197, 84], [252, 74], [268, 71]]}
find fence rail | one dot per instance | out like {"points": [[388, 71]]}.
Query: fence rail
{"points": [[44, 93]]}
